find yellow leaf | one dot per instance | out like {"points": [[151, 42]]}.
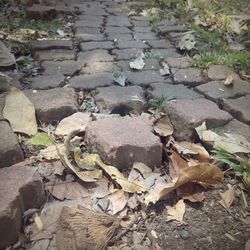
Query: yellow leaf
{"points": [[177, 211], [38, 222]]}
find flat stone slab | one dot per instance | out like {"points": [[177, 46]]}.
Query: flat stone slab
{"points": [[239, 108], [52, 44], [120, 100], [96, 45], [159, 43], [123, 30], [144, 36], [124, 141], [98, 67], [186, 114], [141, 23], [38, 11], [111, 36], [191, 76], [21, 189], [234, 127], [91, 81], [98, 55], [171, 28], [142, 29], [220, 72], [10, 151], [217, 91], [126, 54], [89, 23], [54, 55], [178, 62], [161, 90], [47, 81], [145, 77], [131, 44], [53, 104], [68, 67], [83, 36]]}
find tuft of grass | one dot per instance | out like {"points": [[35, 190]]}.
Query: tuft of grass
{"points": [[159, 103]]}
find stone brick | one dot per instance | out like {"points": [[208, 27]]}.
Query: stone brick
{"points": [[217, 91], [159, 44], [21, 189], [96, 45], [47, 81], [86, 17], [131, 44], [178, 62], [142, 23], [38, 11], [144, 36], [239, 108], [220, 72], [171, 28], [186, 115], [67, 67], [54, 55], [97, 55], [92, 81], [97, 67], [118, 36], [145, 77], [10, 151], [118, 23], [234, 127], [124, 141], [167, 52], [151, 64], [53, 104], [2, 104], [52, 44], [120, 100], [180, 91], [190, 76], [88, 23], [142, 29], [126, 54], [140, 18], [89, 37], [112, 29], [87, 30]]}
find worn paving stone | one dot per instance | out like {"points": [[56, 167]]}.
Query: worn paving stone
{"points": [[54, 55], [112, 29], [159, 44], [144, 36], [217, 91], [52, 44], [142, 29], [175, 36], [131, 44], [67, 67], [140, 18], [86, 17], [53, 104], [10, 151], [88, 23], [234, 127], [2, 104], [37, 11], [111, 36], [179, 62], [239, 108], [142, 23], [163, 53], [85, 37], [118, 23], [120, 100], [150, 64], [21, 189], [190, 76], [98, 67], [124, 141], [126, 54], [98, 55], [171, 28], [47, 81], [87, 30], [220, 72], [145, 78], [180, 91], [92, 81], [96, 45], [186, 114]]}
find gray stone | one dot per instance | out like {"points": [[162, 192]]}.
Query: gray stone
{"points": [[159, 44], [96, 45], [145, 77], [87, 30], [234, 127], [53, 104], [239, 108], [131, 44], [140, 18], [144, 36], [142, 23], [112, 29], [10, 151], [220, 72], [118, 36], [54, 55], [88, 23], [126, 54], [186, 114], [92, 81], [52, 44], [184, 234], [2, 104], [217, 91], [180, 91], [118, 23], [178, 62], [175, 36], [124, 141], [171, 28], [21, 189], [166, 52], [98, 55], [98, 67], [38, 11], [151, 64], [47, 81], [142, 29], [86, 17], [120, 100], [190, 76], [89, 37], [67, 67]]}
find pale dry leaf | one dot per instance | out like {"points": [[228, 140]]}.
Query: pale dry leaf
{"points": [[51, 153], [176, 164], [154, 234], [138, 63], [6, 57], [227, 197], [165, 71], [177, 211], [20, 112], [118, 200], [163, 127], [229, 80], [38, 222]]}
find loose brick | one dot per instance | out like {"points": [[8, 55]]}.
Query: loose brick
{"points": [[96, 45], [47, 81], [97, 55], [54, 55], [131, 44], [145, 77], [220, 72]]}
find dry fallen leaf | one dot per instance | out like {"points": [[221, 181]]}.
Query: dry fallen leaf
{"points": [[163, 127], [118, 200], [229, 80], [177, 211], [191, 191], [176, 164], [38, 222], [51, 153], [205, 173], [20, 112], [227, 197], [165, 71]]}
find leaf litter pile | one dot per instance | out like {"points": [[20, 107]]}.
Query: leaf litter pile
{"points": [[99, 198]]}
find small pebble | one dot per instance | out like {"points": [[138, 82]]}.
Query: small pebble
{"points": [[184, 234]]}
